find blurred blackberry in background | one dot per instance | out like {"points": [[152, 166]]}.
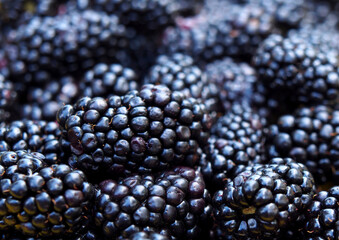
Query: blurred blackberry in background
{"points": [[310, 136], [263, 201], [322, 215], [41, 201], [298, 69], [8, 98], [35, 136], [42, 103], [142, 131], [105, 80], [176, 202], [179, 73]]}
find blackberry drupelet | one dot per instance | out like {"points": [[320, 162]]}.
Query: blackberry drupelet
{"points": [[310, 136], [144, 130], [42, 103], [176, 202], [237, 140], [8, 98], [179, 73], [40, 201], [298, 68], [263, 201], [35, 136], [322, 216], [105, 80]]}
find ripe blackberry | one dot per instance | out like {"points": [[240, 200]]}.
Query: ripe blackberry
{"points": [[310, 136], [41, 201], [142, 131], [179, 73], [175, 202], [148, 236], [8, 98], [322, 216], [263, 201], [65, 44], [35, 136], [42, 103], [238, 140], [105, 80], [298, 68]]}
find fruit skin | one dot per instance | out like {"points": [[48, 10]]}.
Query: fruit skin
{"points": [[142, 131], [40, 201], [175, 202], [310, 136], [322, 216], [8, 98], [263, 201]]}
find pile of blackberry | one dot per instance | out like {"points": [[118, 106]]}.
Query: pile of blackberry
{"points": [[169, 119]]}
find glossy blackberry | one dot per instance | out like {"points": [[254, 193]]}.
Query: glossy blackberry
{"points": [[106, 80], [176, 202], [41, 201], [35, 136], [148, 236], [310, 136], [142, 131], [238, 140], [214, 34], [179, 73], [298, 68], [263, 201], [42, 103], [8, 98], [66, 44], [322, 216]]}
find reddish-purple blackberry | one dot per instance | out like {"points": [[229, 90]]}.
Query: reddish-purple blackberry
{"points": [[142, 131], [263, 201], [41, 201], [8, 98], [176, 202], [298, 68], [179, 73], [322, 216], [105, 80], [35, 136], [311, 137]]}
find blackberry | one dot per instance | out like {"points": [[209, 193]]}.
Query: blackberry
{"points": [[141, 131], [148, 236], [106, 80], [175, 202], [237, 140], [35, 136], [310, 136], [263, 201], [8, 98], [42, 103], [179, 73], [322, 216], [41, 201], [298, 68]]}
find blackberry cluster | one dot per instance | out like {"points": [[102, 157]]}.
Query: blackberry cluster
{"points": [[298, 68], [310, 136], [8, 98], [142, 131], [175, 203], [179, 73], [263, 201], [35, 136], [40, 201]]}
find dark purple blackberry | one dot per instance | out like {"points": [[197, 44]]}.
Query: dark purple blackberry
{"points": [[106, 80], [310, 136], [263, 201], [322, 216], [298, 68], [8, 98], [179, 73], [35, 136], [41, 201], [238, 140], [148, 236], [65, 44], [142, 131], [42, 103], [176, 203]]}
